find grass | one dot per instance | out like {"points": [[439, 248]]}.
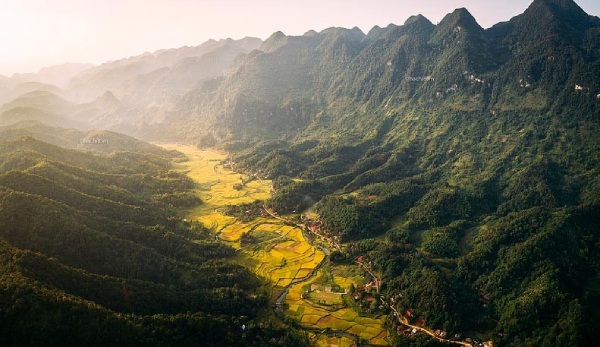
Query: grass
{"points": [[326, 298], [310, 319], [338, 319], [263, 236], [339, 324], [214, 182], [346, 314], [325, 341]]}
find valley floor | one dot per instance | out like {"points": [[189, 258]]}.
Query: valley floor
{"points": [[302, 285]]}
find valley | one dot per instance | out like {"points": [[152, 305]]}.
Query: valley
{"points": [[414, 185], [280, 254]]}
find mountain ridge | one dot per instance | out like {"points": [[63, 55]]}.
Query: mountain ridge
{"points": [[459, 45]]}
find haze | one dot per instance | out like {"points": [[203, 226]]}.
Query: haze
{"points": [[38, 33]]}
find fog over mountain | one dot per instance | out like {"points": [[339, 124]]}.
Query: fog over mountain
{"points": [[39, 33]]}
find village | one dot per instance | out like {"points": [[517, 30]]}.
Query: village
{"points": [[368, 297]]}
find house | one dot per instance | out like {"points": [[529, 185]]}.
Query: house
{"points": [[485, 299], [578, 87], [408, 313], [524, 83], [453, 88]]}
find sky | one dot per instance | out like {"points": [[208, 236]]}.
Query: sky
{"points": [[39, 33]]}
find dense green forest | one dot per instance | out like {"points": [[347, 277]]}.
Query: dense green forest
{"points": [[475, 192], [92, 252], [506, 244]]}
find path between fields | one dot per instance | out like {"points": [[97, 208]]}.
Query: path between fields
{"points": [[312, 273], [281, 297], [329, 331], [284, 293]]}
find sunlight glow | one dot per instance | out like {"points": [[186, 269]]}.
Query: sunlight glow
{"points": [[37, 33]]}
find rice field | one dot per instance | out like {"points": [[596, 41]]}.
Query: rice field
{"points": [[214, 182], [304, 308], [279, 254], [326, 341]]}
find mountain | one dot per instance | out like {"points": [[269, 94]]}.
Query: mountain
{"points": [[151, 69], [13, 89], [50, 79], [461, 162], [42, 106], [457, 159], [274, 89], [530, 62], [58, 75], [90, 140], [127, 94], [318, 73], [92, 253]]}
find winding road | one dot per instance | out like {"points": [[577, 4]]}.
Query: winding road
{"points": [[378, 284], [307, 233], [428, 332]]}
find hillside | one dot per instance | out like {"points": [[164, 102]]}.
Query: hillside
{"points": [[456, 159], [334, 80], [93, 253], [128, 95], [152, 69]]}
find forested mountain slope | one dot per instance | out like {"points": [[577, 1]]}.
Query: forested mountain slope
{"points": [[92, 252], [332, 82], [473, 152]]}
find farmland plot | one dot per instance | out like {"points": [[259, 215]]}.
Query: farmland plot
{"points": [[277, 253]]}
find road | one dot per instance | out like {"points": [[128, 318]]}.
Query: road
{"points": [[280, 299], [428, 332], [377, 280]]}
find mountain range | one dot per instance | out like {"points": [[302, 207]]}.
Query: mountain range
{"points": [[286, 85], [463, 162]]}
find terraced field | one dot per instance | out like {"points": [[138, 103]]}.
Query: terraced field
{"points": [[321, 309], [279, 253]]}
